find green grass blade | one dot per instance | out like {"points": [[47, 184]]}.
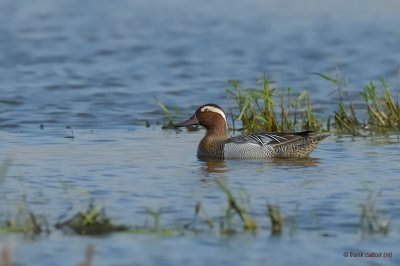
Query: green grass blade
{"points": [[166, 111], [328, 78]]}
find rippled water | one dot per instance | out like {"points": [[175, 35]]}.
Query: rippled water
{"points": [[95, 66]]}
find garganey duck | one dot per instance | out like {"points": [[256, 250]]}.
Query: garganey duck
{"points": [[217, 144]]}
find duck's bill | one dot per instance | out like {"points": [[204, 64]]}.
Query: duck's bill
{"points": [[191, 121]]}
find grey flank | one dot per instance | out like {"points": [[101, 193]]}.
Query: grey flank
{"points": [[269, 145]]}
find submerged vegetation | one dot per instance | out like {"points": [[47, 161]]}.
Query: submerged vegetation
{"points": [[235, 218], [24, 220], [270, 108], [93, 221], [233, 207], [27, 223], [372, 219], [274, 214]]}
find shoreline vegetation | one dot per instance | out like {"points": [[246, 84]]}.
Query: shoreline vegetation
{"points": [[269, 108]]}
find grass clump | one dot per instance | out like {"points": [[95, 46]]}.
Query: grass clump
{"points": [[25, 221], [233, 207], [275, 217], [345, 119], [92, 221], [156, 228], [170, 118], [383, 111], [271, 109], [200, 210]]}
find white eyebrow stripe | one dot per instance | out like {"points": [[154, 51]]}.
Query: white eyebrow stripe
{"points": [[213, 109]]}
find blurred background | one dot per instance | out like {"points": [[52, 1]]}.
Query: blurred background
{"points": [[98, 64]]}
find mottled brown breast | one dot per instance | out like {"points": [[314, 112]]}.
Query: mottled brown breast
{"points": [[211, 147]]}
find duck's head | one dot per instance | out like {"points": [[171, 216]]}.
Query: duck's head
{"points": [[211, 116]]}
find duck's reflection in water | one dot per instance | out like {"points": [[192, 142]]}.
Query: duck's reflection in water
{"points": [[211, 166], [295, 162]]}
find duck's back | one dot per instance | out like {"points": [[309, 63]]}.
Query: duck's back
{"points": [[247, 147], [271, 145]]}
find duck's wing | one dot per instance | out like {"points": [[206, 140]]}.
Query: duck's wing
{"points": [[267, 138]]}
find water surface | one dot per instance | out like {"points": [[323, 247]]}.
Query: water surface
{"points": [[95, 66]]}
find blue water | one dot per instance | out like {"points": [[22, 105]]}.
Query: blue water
{"points": [[95, 66]]}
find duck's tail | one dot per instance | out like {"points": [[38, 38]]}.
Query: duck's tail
{"points": [[300, 147]]}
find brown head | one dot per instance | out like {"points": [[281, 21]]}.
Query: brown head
{"points": [[210, 116], [213, 118]]}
